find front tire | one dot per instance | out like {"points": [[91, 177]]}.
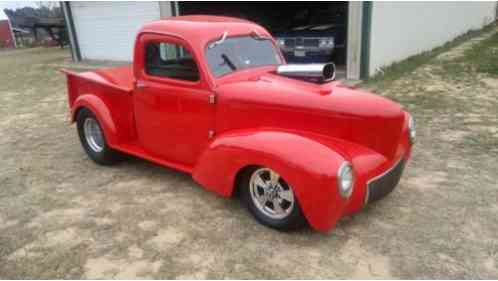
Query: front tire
{"points": [[270, 199], [93, 139]]}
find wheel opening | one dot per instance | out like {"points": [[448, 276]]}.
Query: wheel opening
{"points": [[241, 174]]}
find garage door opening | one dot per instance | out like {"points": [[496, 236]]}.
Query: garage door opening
{"points": [[307, 32]]}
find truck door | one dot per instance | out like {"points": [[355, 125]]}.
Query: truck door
{"points": [[174, 115]]}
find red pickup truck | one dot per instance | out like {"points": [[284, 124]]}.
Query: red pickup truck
{"points": [[214, 97]]}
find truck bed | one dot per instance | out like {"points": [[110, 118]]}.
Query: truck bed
{"points": [[108, 93], [120, 78], [103, 82]]}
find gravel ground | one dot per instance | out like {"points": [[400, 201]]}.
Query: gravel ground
{"points": [[62, 216]]}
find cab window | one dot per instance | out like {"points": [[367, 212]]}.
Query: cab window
{"points": [[171, 61]]}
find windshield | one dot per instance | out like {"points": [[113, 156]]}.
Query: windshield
{"points": [[236, 53]]}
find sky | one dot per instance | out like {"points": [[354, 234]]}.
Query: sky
{"points": [[14, 5]]}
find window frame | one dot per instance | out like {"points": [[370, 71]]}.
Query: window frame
{"points": [[148, 38]]}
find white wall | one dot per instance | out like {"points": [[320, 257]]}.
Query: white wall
{"points": [[2, 15], [107, 30], [403, 29]]}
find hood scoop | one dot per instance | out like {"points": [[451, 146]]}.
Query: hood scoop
{"points": [[315, 73]]}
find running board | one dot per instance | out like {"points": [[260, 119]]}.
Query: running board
{"points": [[136, 150]]}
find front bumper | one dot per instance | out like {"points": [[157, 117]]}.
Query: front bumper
{"points": [[376, 176], [381, 185]]}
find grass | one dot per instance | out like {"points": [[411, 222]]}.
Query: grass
{"points": [[481, 58], [484, 56], [399, 69]]}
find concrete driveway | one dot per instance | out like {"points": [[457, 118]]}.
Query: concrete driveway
{"points": [[62, 216]]}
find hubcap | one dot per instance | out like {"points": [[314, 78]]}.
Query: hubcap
{"points": [[93, 135], [271, 194]]}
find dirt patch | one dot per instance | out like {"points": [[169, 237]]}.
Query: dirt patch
{"points": [[148, 225], [108, 268], [491, 83], [366, 265], [166, 238]]}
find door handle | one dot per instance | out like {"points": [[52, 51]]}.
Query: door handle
{"points": [[140, 85]]}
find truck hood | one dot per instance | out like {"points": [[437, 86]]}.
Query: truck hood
{"points": [[270, 100]]}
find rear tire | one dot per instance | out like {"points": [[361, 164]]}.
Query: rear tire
{"points": [[93, 139], [271, 201]]}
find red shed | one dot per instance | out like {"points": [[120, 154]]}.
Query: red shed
{"points": [[7, 39]]}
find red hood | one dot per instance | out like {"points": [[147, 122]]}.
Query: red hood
{"points": [[271, 100]]}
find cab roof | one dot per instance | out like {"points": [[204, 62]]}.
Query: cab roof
{"points": [[207, 18], [200, 29]]}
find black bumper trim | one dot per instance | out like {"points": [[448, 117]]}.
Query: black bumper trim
{"points": [[383, 184]]}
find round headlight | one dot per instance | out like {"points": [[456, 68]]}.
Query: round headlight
{"points": [[345, 180], [411, 129]]}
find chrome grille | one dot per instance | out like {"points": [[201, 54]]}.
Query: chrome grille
{"points": [[302, 42], [310, 42], [290, 42]]}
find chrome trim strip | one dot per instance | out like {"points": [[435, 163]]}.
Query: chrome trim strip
{"points": [[379, 176]]}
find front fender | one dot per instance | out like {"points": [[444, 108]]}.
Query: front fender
{"points": [[306, 164], [101, 111]]}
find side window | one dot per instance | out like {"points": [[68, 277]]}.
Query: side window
{"points": [[171, 61]]}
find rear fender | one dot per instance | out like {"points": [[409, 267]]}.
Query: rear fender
{"points": [[307, 165], [101, 111]]}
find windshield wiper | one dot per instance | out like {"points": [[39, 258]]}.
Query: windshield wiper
{"points": [[222, 39], [228, 61]]}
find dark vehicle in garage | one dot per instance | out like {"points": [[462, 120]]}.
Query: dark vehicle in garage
{"points": [[306, 44], [315, 37]]}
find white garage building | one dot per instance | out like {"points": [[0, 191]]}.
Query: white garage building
{"points": [[378, 33]]}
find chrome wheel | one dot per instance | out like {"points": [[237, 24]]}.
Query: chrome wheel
{"points": [[93, 134], [271, 194]]}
